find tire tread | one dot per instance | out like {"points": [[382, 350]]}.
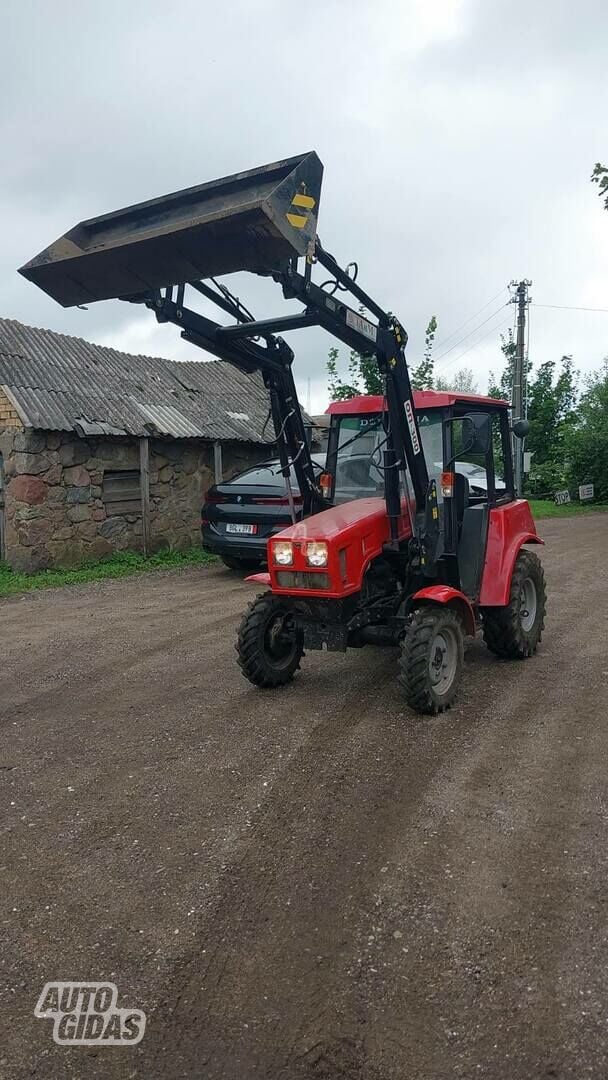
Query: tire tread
{"points": [[250, 656], [502, 630], [414, 660]]}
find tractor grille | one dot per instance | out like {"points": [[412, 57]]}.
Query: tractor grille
{"points": [[301, 579]]}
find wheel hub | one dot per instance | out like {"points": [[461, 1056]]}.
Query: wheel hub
{"points": [[443, 660], [527, 604], [279, 637]]}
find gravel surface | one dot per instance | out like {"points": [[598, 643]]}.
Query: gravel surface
{"points": [[312, 882]]}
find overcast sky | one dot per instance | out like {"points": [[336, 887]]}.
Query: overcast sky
{"points": [[458, 137]]}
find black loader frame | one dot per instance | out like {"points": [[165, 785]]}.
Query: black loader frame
{"points": [[264, 221]]}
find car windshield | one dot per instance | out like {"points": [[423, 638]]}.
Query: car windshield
{"points": [[468, 468], [268, 474]]}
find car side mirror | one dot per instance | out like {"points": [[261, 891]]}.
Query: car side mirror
{"points": [[520, 428], [471, 434]]}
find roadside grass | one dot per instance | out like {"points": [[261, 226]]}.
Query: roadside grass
{"points": [[121, 564], [543, 508]]}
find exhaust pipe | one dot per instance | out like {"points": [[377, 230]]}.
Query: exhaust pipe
{"points": [[256, 220]]}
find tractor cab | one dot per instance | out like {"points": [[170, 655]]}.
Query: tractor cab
{"points": [[466, 441]]}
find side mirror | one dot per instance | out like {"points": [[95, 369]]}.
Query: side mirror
{"points": [[471, 434], [520, 428]]}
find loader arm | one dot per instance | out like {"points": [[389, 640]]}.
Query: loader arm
{"points": [[386, 340], [262, 221], [274, 362]]}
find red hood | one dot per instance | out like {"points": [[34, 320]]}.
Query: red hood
{"points": [[355, 534], [362, 515]]}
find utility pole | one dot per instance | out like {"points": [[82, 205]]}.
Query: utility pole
{"points": [[518, 399]]}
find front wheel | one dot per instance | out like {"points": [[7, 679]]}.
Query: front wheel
{"points": [[514, 632], [269, 643], [432, 654]]}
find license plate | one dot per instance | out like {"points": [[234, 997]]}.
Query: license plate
{"points": [[242, 530]]}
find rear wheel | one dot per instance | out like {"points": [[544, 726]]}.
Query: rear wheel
{"points": [[234, 563], [514, 632], [430, 666], [269, 644]]}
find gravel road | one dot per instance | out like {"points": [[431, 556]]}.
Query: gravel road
{"points": [[313, 882]]}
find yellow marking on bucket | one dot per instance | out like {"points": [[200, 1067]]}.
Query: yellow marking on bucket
{"points": [[297, 220], [306, 201]]}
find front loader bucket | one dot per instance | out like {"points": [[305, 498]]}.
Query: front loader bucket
{"points": [[254, 220]]}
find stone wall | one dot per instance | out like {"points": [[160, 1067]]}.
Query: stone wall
{"points": [[55, 513]]}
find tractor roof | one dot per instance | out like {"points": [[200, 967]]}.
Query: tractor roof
{"points": [[423, 399]]}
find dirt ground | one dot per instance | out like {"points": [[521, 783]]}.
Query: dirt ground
{"points": [[312, 882]]}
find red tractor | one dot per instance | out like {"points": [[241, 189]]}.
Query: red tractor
{"points": [[337, 579], [413, 538]]}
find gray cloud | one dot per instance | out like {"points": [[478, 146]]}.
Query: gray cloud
{"points": [[457, 137]]}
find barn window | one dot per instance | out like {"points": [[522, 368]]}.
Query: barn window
{"points": [[122, 492]]}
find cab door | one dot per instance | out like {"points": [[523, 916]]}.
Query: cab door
{"points": [[471, 461]]}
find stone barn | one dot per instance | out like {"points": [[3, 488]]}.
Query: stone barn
{"points": [[104, 451]]}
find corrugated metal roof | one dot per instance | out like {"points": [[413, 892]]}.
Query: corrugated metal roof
{"points": [[62, 383]]}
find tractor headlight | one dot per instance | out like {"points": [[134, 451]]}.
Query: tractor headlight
{"points": [[282, 552], [316, 553]]}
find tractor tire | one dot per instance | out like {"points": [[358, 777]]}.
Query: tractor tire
{"points": [[432, 655], [269, 645], [234, 563], [514, 632]]}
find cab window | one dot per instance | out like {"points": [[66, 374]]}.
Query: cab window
{"points": [[500, 476], [472, 466], [430, 424], [361, 440]]}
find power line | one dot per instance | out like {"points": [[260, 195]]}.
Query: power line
{"points": [[492, 330], [473, 331], [568, 307], [470, 319]]}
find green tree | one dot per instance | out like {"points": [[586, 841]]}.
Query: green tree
{"points": [[551, 397], [586, 440], [551, 413], [371, 378], [338, 390], [551, 410], [422, 376], [503, 388], [462, 381], [599, 176], [363, 376]]}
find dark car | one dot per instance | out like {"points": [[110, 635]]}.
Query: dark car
{"points": [[240, 514]]}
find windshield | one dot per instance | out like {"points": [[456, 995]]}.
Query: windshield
{"points": [[268, 474], [359, 462], [361, 440]]}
